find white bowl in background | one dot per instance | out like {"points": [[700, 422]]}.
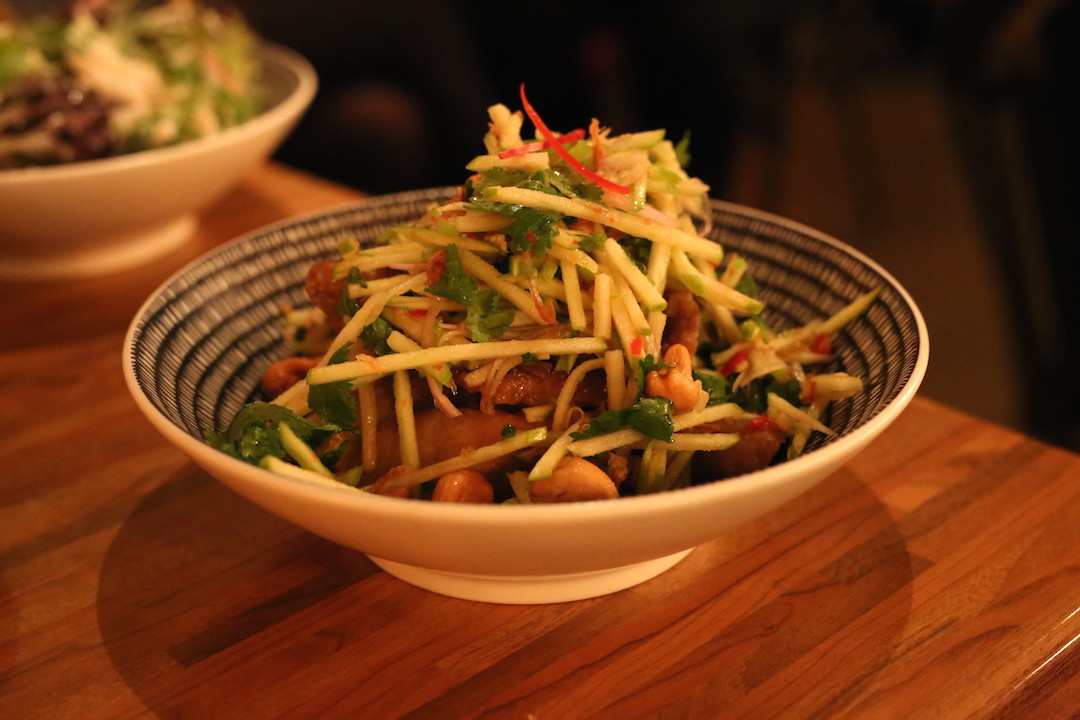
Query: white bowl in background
{"points": [[196, 350], [100, 216]]}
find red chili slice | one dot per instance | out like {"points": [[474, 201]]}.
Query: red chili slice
{"points": [[546, 133], [822, 345], [542, 144], [733, 364], [758, 424]]}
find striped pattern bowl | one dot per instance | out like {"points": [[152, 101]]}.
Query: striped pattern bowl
{"points": [[196, 350]]}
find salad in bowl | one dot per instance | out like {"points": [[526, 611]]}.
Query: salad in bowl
{"points": [[547, 383], [121, 122], [105, 79], [560, 329]]}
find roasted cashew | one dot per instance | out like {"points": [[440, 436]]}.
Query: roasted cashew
{"points": [[572, 480], [676, 382]]}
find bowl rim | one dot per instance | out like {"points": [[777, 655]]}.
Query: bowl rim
{"points": [[536, 514], [289, 106]]}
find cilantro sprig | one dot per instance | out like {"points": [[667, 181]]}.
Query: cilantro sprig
{"points": [[650, 416], [486, 316], [454, 284], [253, 433], [334, 402]]}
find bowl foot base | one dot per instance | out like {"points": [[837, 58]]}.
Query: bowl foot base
{"points": [[530, 589], [122, 253]]}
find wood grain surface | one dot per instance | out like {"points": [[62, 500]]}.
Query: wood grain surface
{"points": [[937, 575]]}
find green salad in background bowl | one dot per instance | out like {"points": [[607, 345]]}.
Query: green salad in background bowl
{"points": [[121, 122], [105, 79]]}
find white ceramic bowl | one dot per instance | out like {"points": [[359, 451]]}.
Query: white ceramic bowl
{"points": [[100, 216], [197, 348]]}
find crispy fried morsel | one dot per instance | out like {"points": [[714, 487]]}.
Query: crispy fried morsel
{"points": [[384, 396], [441, 437], [325, 291], [333, 442], [539, 384], [283, 374], [618, 467], [757, 447], [683, 321]]}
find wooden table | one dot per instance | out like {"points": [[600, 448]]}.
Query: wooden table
{"points": [[935, 576]]}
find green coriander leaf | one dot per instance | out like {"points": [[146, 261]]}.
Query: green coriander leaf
{"points": [[355, 277], [253, 432], [747, 286], [754, 397], [454, 284], [639, 250], [650, 416], [487, 318], [503, 177], [531, 229], [715, 384], [592, 242], [374, 337], [347, 306], [334, 402]]}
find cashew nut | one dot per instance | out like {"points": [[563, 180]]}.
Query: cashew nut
{"points": [[463, 486], [676, 382], [573, 479]]}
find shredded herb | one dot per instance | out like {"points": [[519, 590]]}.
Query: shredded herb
{"points": [[347, 306], [487, 317], [715, 384], [454, 284], [253, 433], [638, 249], [650, 416], [747, 286], [355, 277], [754, 397], [593, 241], [334, 402], [532, 229], [374, 337]]}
